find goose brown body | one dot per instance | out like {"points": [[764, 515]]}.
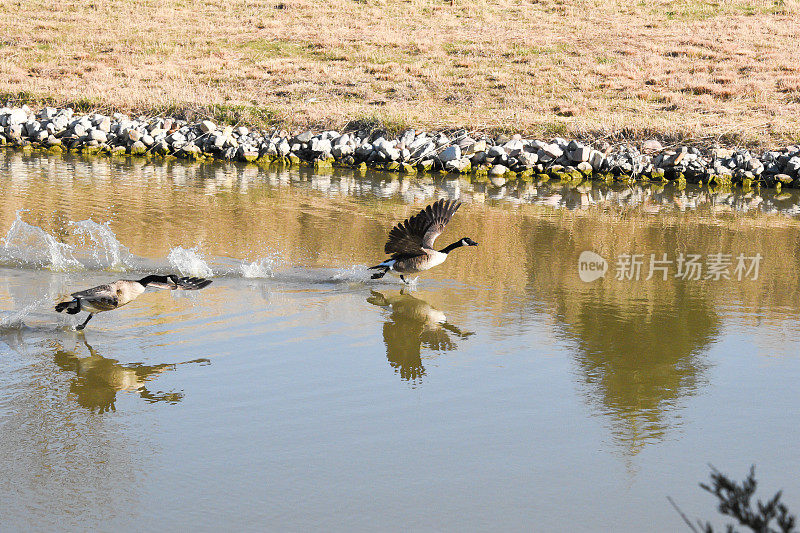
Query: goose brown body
{"points": [[411, 242], [114, 295]]}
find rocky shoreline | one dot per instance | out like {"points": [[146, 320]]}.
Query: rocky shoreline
{"points": [[471, 154]]}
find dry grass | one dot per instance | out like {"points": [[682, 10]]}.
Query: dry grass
{"points": [[724, 70]]}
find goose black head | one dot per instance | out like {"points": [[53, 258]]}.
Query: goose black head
{"points": [[164, 282], [466, 241]]}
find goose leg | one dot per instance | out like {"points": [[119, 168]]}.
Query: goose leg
{"points": [[81, 326]]}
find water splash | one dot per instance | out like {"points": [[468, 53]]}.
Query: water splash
{"points": [[189, 262], [12, 320], [263, 267], [107, 251], [31, 245]]}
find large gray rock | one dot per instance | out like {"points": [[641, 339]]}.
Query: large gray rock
{"points": [[451, 153], [580, 154], [207, 126], [596, 159]]}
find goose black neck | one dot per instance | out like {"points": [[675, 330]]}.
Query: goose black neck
{"points": [[451, 247], [153, 278]]}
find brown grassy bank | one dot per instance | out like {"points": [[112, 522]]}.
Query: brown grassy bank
{"points": [[687, 70]]}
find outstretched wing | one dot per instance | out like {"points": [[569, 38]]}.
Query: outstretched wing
{"points": [[421, 230], [193, 284]]}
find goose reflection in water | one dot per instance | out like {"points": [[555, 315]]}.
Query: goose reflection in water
{"points": [[99, 379], [412, 324]]}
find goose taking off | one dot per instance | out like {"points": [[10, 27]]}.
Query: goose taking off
{"points": [[411, 241], [114, 295]]}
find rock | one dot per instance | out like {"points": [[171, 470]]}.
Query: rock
{"points": [[596, 159], [133, 135], [304, 137], [148, 140], [47, 113], [527, 159], [784, 178], [553, 150], [651, 146], [322, 146], [498, 170], [580, 154], [585, 168], [408, 138], [17, 116], [98, 135], [283, 148], [241, 131], [450, 153], [207, 126], [424, 151], [721, 153], [247, 153], [478, 146], [793, 165], [104, 125], [138, 148], [496, 151], [512, 146], [671, 160]]}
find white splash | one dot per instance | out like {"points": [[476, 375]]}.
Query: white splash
{"points": [[106, 249], [15, 319], [29, 244], [189, 262], [263, 267]]}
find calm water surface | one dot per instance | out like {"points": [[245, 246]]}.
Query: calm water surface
{"points": [[498, 392]]}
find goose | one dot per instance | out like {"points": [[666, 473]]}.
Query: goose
{"points": [[113, 295], [411, 241]]}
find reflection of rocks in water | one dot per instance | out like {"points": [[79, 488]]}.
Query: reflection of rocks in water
{"points": [[413, 323], [640, 360], [99, 379]]}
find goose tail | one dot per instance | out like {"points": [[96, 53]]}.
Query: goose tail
{"points": [[378, 275], [384, 267], [72, 307]]}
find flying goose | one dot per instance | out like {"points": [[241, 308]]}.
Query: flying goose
{"points": [[411, 241], [113, 295]]}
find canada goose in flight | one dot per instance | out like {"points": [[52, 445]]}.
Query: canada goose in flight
{"points": [[411, 241], [113, 295]]}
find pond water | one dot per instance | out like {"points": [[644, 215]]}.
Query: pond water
{"points": [[499, 391]]}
